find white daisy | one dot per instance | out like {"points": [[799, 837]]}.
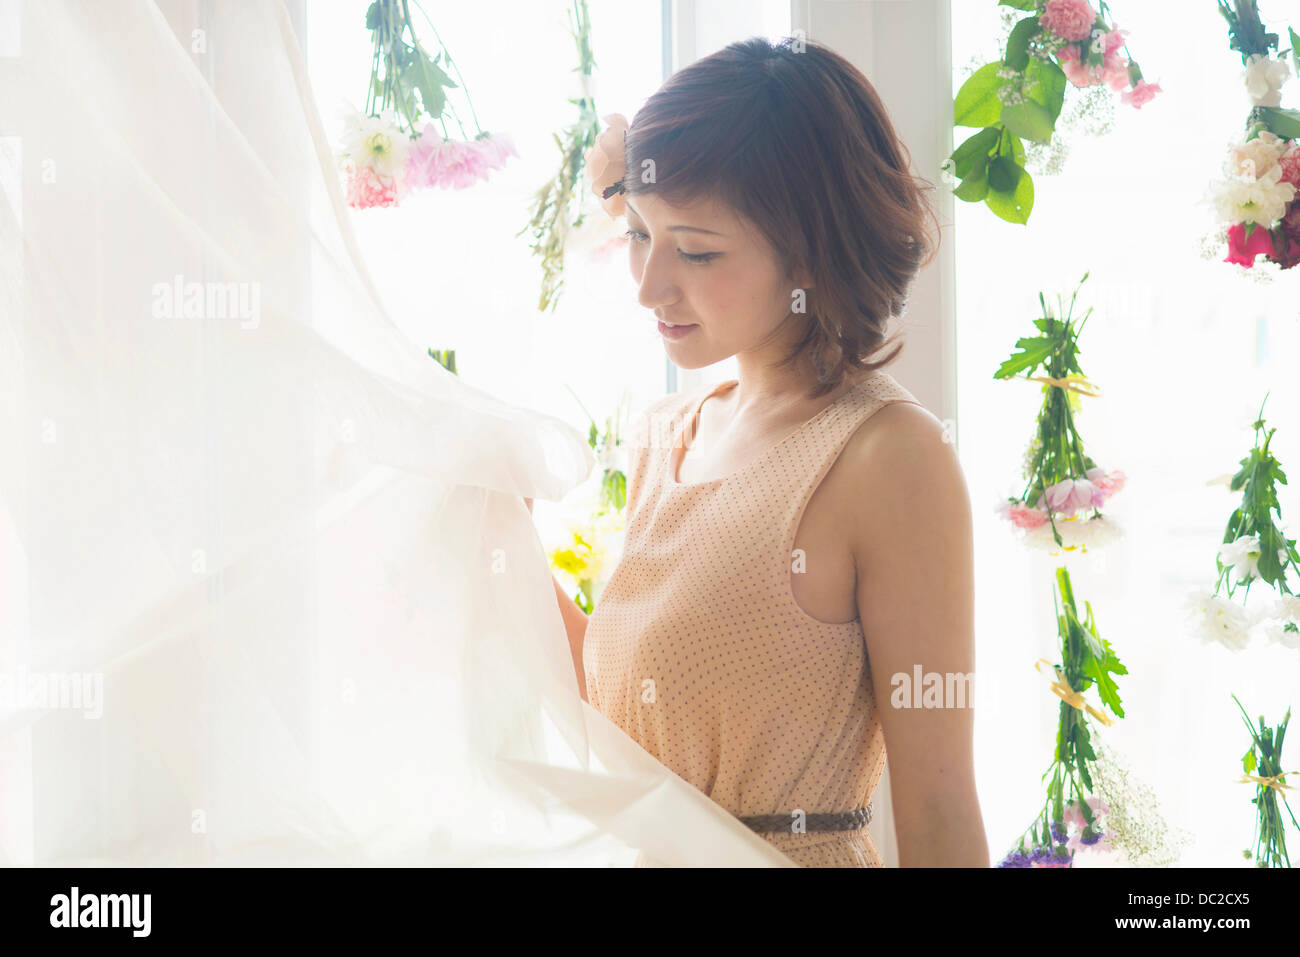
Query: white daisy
{"points": [[1077, 534], [373, 142]]}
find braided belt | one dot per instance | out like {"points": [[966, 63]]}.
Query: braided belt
{"points": [[840, 821]]}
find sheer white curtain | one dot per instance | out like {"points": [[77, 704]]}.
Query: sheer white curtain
{"points": [[270, 592]]}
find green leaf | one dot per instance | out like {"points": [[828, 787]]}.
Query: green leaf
{"points": [[977, 103], [977, 144], [1101, 671], [427, 77], [1018, 4], [1016, 206], [1012, 142], [1285, 123], [1029, 119], [1017, 55], [372, 17], [1035, 351], [975, 185], [1248, 762], [1295, 48], [1047, 84], [1004, 174]]}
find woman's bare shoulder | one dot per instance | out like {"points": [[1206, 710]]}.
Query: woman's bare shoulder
{"points": [[904, 478]]}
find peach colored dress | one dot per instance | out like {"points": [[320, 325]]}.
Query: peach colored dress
{"points": [[698, 650]]}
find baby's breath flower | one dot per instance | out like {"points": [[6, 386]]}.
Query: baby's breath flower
{"points": [[1134, 823]]}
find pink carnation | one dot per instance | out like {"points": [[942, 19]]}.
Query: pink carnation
{"points": [[1144, 92], [1022, 516], [366, 188], [1070, 19], [1290, 163], [1113, 70], [1112, 40]]}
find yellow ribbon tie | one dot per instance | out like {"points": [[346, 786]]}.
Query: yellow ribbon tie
{"points": [[1071, 383], [1272, 781], [1071, 697]]}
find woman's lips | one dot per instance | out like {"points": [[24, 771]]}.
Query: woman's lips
{"points": [[674, 332]]}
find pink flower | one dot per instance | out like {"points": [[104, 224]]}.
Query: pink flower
{"points": [[1069, 496], [1113, 70], [1073, 818], [456, 164], [496, 149], [1290, 163], [1144, 92], [366, 188], [1021, 515], [1106, 483], [1075, 71], [1243, 251], [605, 164], [1112, 40], [1071, 19]]}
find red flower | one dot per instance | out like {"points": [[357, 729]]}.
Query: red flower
{"points": [[1243, 251]]}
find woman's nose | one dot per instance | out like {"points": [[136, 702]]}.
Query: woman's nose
{"points": [[656, 284]]}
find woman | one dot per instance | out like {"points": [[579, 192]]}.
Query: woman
{"points": [[798, 543]]}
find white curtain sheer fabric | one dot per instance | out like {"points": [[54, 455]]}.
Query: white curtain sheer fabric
{"points": [[279, 552]]}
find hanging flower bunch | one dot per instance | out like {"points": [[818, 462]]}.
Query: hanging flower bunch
{"points": [[1257, 195], [1074, 816], [1019, 97], [381, 154], [557, 208], [1254, 549], [1060, 507], [1265, 757]]}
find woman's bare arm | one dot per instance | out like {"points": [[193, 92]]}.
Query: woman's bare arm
{"points": [[915, 594], [575, 625]]}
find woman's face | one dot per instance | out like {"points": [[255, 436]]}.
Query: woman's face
{"points": [[705, 267]]}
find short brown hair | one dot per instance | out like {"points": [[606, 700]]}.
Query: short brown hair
{"points": [[795, 139]]}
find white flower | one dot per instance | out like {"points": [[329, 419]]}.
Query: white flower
{"points": [[1077, 534], [1240, 199], [374, 142], [1218, 620], [1242, 556], [1285, 611], [1264, 79]]}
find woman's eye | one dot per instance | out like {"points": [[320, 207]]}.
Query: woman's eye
{"points": [[697, 259]]}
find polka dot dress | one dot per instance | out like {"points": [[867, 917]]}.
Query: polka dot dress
{"points": [[698, 650]]}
